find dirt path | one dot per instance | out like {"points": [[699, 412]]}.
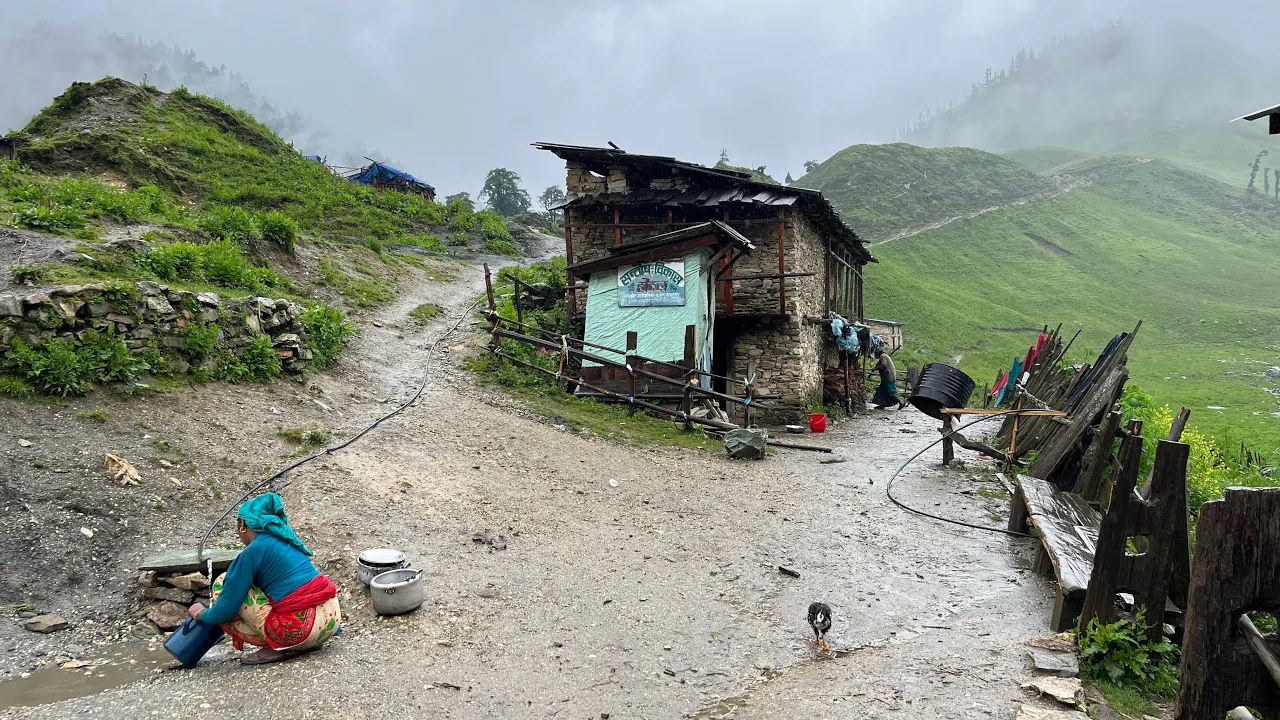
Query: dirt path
{"points": [[656, 598]]}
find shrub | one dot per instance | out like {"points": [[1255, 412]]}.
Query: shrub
{"points": [[497, 238], [426, 241], [55, 368], [1119, 653], [279, 229], [48, 217], [233, 224], [28, 274], [260, 361], [198, 340], [310, 437], [122, 293], [176, 261], [461, 218], [224, 263], [425, 313], [108, 358], [328, 332]]}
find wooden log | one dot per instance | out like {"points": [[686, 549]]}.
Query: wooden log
{"points": [[1266, 654], [1236, 568]]}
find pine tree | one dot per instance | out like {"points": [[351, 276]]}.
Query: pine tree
{"points": [[1266, 181], [788, 180], [724, 156]]}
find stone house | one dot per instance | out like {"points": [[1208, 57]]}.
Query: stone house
{"points": [[765, 266]]}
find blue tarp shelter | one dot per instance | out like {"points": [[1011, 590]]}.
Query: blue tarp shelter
{"points": [[383, 175]]}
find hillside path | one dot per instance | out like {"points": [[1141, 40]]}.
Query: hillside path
{"points": [[657, 598]]}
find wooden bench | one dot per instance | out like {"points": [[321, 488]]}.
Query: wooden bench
{"points": [[1068, 528], [1091, 553]]}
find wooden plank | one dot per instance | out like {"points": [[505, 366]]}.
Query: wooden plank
{"points": [[1057, 516], [1056, 452], [1098, 458], [586, 268], [782, 260], [1266, 654], [690, 346]]}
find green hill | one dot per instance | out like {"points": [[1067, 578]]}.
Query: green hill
{"points": [[884, 189], [1196, 260]]}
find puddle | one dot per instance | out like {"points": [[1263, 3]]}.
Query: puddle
{"points": [[109, 667]]}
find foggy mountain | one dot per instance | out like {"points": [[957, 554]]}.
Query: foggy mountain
{"points": [[1096, 90], [41, 63]]}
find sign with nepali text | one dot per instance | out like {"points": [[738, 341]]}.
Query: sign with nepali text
{"points": [[658, 283]]}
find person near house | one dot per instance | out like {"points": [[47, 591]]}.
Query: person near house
{"points": [[887, 393], [271, 596]]}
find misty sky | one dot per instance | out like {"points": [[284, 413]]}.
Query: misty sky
{"points": [[453, 88]]}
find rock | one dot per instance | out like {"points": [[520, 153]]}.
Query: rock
{"points": [[158, 304], [286, 340], [45, 624], [208, 298], [167, 615], [1032, 712], [147, 579], [122, 319], [129, 244], [185, 561], [745, 444], [99, 309], [147, 287], [36, 299], [1067, 691], [190, 581], [1053, 642], [77, 290], [1062, 664], [27, 614], [172, 594], [23, 442], [10, 306]]}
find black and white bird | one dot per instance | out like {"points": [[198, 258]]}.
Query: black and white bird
{"points": [[820, 621]]}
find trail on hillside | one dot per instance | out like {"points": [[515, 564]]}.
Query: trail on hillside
{"points": [[1064, 187]]}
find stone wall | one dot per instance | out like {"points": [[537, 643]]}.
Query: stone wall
{"points": [[147, 313]]}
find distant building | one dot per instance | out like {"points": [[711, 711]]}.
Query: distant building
{"points": [[1272, 112], [752, 270], [382, 175], [7, 151]]}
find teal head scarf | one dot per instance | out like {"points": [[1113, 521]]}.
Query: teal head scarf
{"points": [[265, 514]]}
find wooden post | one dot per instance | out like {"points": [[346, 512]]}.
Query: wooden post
{"points": [[570, 294], [728, 273], [948, 450], [1108, 575], [519, 308], [750, 390], [848, 394], [493, 308], [617, 225], [1013, 439], [1237, 568], [826, 274], [632, 344], [782, 262]]}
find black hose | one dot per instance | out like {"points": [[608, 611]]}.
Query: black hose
{"points": [[334, 448], [888, 490]]}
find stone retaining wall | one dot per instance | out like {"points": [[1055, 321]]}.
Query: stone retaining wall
{"points": [[147, 312]]}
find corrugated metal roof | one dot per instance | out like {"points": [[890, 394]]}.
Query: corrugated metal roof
{"points": [[723, 187]]}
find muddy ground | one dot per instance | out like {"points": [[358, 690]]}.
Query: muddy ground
{"points": [[657, 598]]}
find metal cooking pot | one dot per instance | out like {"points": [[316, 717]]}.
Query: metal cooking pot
{"points": [[396, 592], [372, 562]]}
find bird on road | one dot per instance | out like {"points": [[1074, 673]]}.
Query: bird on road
{"points": [[820, 621]]}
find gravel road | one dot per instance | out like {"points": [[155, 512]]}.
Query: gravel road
{"points": [[657, 598]]}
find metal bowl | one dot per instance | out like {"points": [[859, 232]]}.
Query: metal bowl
{"points": [[396, 592]]}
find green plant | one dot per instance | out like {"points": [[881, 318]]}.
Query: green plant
{"points": [[198, 340], [1121, 654], [55, 367], [497, 238], [328, 333], [230, 223], [261, 364], [98, 415], [16, 387], [122, 294], [425, 313], [461, 217], [309, 437], [108, 358], [279, 229], [28, 274], [224, 263], [176, 261], [157, 363]]}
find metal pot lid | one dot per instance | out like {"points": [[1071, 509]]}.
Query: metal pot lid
{"points": [[381, 556]]}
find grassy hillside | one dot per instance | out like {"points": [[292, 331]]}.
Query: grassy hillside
{"points": [[881, 189], [1196, 260]]}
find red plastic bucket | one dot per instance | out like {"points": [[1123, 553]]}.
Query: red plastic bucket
{"points": [[817, 422]]}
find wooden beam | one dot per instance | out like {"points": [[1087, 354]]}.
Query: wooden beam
{"points": [[782, 260], [617, 225], [1023, 413], [568, 256], [586, 268], [1260, 648], [768, 276]]}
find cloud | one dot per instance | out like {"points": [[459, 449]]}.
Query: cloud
{"points": [[452, 88]]}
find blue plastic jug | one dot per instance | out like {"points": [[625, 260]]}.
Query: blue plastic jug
{"points": [[191, 641]]}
